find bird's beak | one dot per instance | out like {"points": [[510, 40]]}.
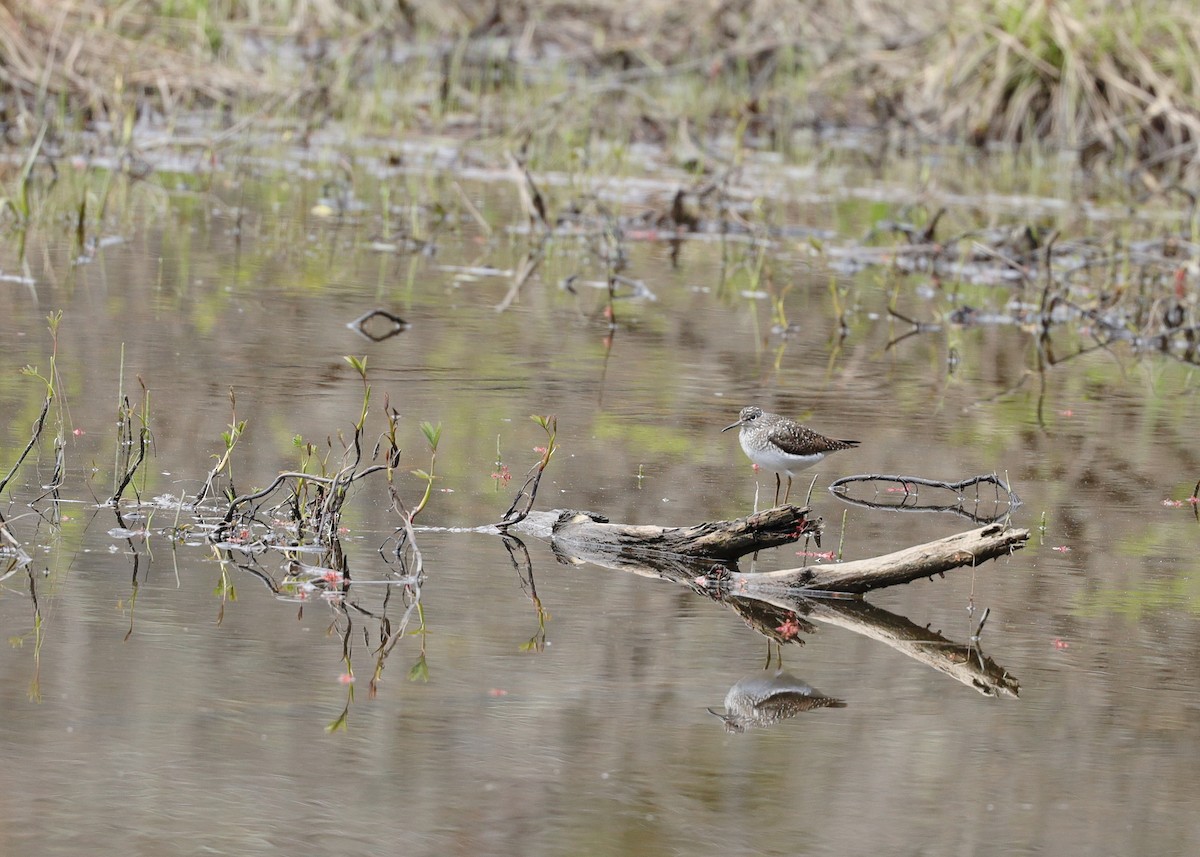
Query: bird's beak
{"points": [[735, 425]]}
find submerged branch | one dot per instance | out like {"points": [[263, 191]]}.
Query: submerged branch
{"points": [[905, 495], [838, 486]]}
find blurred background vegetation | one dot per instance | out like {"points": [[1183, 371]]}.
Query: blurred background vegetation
{"points": [[1113, 82]]}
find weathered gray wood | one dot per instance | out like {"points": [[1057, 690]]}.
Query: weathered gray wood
{"points": [[672, 552], [585, 532], [904, 566]]}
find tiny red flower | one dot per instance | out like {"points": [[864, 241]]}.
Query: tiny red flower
{"points": [[789, 629]]}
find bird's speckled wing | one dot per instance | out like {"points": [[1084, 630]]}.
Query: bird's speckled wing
{"points": [[796, 439]]}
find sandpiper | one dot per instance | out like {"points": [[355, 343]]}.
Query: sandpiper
{"points": [[781, 445]]}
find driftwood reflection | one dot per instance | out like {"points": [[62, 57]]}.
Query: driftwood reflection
{"points": [[763, 699], [775, 616]]}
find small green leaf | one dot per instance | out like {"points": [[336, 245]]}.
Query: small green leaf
{"points": [[339, 725], [360, 366], [432, 433], [419, 671]]}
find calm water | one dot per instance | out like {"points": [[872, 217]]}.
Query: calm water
{"points": [[147, 713]]}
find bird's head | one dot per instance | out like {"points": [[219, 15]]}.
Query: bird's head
{"points": [[746, 416]]}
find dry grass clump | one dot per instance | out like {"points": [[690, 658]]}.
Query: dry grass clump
{"points": [[223, 49], [1112, 79], [1109, 79], [89, 55]]}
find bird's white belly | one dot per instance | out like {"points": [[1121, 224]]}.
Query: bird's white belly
{"points": [[778, 461]]}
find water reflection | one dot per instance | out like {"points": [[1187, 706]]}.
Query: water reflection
{"points": [[940, 496], [378, 324], [783, 619], [143, 660], [379, 609], [763, 700]]}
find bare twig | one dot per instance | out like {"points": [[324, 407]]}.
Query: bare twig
{"points": [[38, 425], [519, 510]]}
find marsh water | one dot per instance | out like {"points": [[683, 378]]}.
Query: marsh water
{"points": [[160, 698]]}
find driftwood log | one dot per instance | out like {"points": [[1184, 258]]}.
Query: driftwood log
{"points": [[785, 605], [686, 554], [967, 549], [676, 553]]}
